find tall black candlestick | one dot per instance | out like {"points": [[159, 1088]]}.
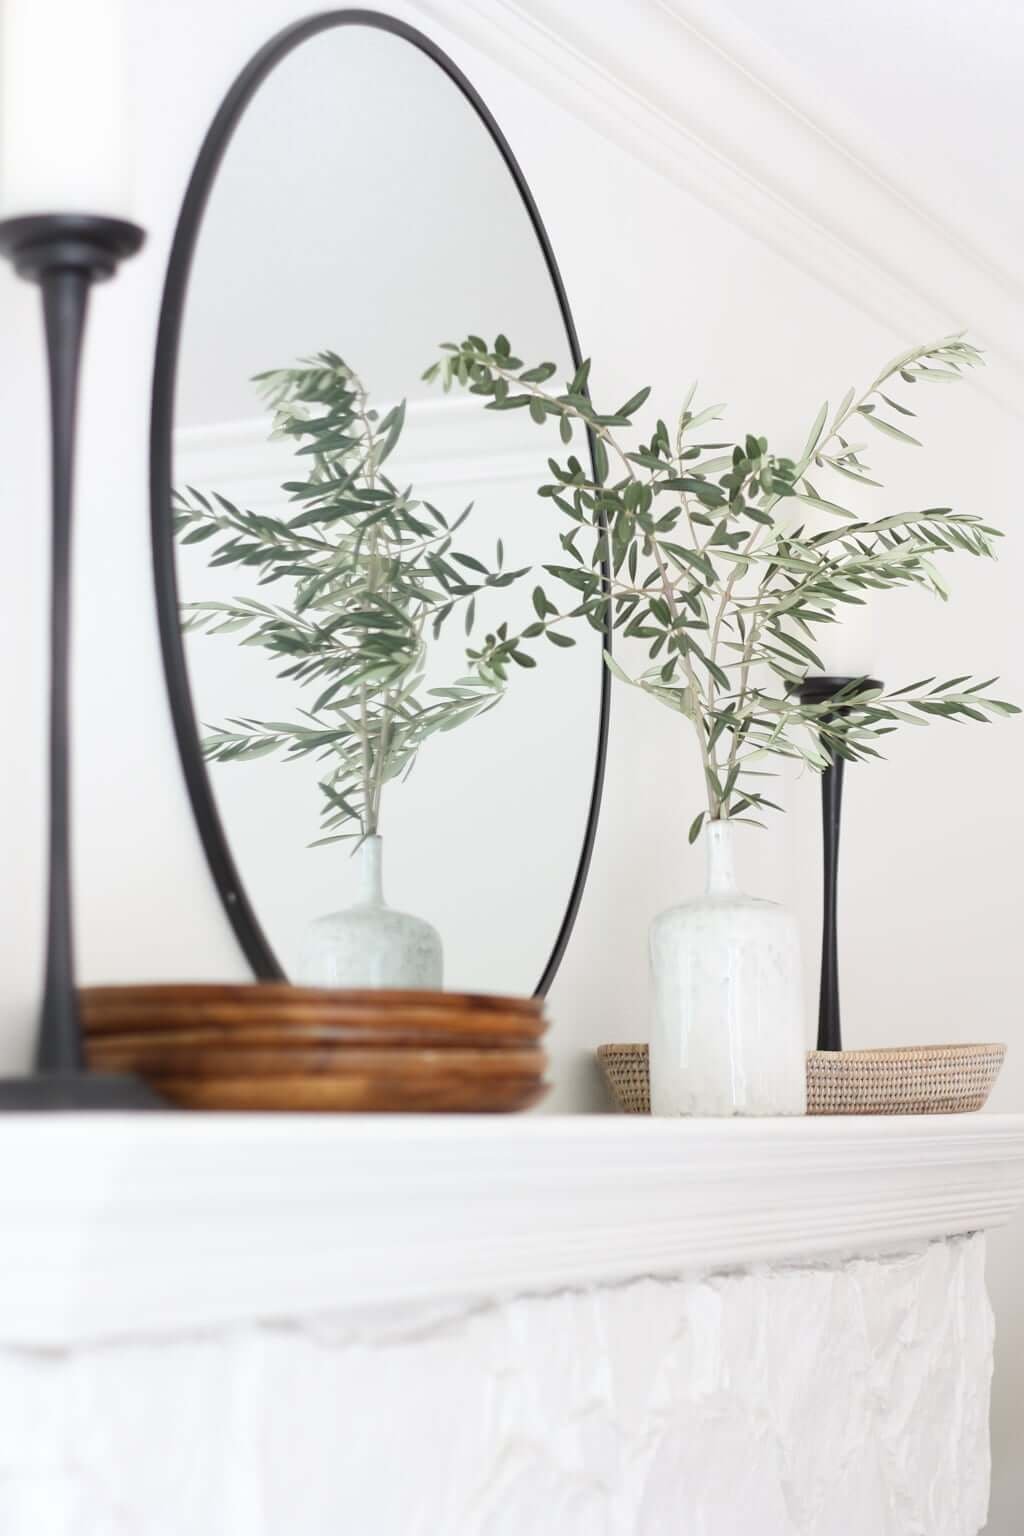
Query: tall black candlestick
{"points": [[65, 254], [818, 690]]}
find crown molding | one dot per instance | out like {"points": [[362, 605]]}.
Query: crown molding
{"points": [[690, 93], [447, 442], [121, 1225]]}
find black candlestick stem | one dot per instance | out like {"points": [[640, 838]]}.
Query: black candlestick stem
{"points": [[817, 690], [65, 254], [830, 1036]]}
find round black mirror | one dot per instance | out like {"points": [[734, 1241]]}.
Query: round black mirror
{"points": [[325, 598]]}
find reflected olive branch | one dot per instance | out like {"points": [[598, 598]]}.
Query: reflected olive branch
{"points": [[372, 577]]}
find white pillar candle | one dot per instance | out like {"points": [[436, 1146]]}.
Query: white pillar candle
{"points": [[63, 126], [847, 647]]}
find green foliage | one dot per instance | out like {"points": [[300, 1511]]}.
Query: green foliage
{"points": [[371, 575], [714, 568]]}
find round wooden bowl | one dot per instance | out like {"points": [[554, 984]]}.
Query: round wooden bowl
{"points": [[276, 1047]]}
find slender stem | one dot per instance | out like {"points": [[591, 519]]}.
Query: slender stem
{"points": [[373, 764], [384, 732], [369, 821], [65, 292], [754, 626], [714, 802], [829, 1029], [667, 585]]}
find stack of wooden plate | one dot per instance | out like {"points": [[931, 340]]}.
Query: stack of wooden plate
{"points": [[278, 1047]]}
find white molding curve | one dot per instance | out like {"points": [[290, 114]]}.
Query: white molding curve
{"points": [[447, 442], [696, 98], [122, 1225]]}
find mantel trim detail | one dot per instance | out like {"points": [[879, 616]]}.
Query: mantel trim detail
{"points": [[122, 1225]]}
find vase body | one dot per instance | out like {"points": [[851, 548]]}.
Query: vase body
{"points": [[369, 944], [728, 1032]]}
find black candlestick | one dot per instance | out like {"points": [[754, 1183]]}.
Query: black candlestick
{"points": [[65, 254], [817, 690]]}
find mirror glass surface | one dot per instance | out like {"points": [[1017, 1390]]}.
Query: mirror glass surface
{"points": [[363, 208]]}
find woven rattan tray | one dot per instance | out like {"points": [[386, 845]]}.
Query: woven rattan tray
{"points": [[903, 1080]]}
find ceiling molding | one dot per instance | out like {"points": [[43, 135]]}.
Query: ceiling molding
{"points": [[691, 95], [926, 191]]}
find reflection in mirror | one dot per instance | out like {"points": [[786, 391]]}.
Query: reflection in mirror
{"points": [[351, 544]]}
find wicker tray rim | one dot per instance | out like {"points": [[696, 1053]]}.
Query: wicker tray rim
{"points": [[882, 1052], [892, 1080]]}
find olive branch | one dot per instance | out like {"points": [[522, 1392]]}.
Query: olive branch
{"points": [[705, 569]]}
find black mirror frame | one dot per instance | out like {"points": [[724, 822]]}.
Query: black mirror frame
{"points": [[246, 924]]}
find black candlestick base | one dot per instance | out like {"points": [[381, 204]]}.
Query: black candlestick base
{"points": [[818, 690], [65, 253], [94, 1092]]}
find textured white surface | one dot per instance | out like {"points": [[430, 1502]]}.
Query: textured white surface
{"points": [[845, 1401], [125, 1225], [728, 1030]]}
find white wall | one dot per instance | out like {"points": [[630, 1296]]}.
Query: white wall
{"points": [[668, 281]]}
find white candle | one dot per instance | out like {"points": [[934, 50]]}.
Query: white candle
{"points": [[847, 647], [63, 125]]}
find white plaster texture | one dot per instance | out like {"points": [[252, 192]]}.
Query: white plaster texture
{"points": [[849, 1400]]}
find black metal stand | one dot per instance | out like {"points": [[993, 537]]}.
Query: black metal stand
{"points": [[65, 254], [817, 690]]}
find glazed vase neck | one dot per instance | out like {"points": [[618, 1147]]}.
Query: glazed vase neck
{"points": [[721, 865], [371, 878]]}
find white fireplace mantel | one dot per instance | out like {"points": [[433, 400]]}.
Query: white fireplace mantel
{"points": [[271, 1324], [135, 1225]]}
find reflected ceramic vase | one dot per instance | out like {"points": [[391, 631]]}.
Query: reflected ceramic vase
{"points": [[369, 944], [728, 1034]]}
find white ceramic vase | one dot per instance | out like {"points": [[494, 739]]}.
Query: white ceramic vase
{"points": [[728, 1031], [369, 944]]}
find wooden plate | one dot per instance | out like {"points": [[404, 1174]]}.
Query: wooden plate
{"points": [[274, 994], [177, 1060], [348, 1093], [278, 1047], [259, 1035], [360, 1017], [332, 1079]]}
